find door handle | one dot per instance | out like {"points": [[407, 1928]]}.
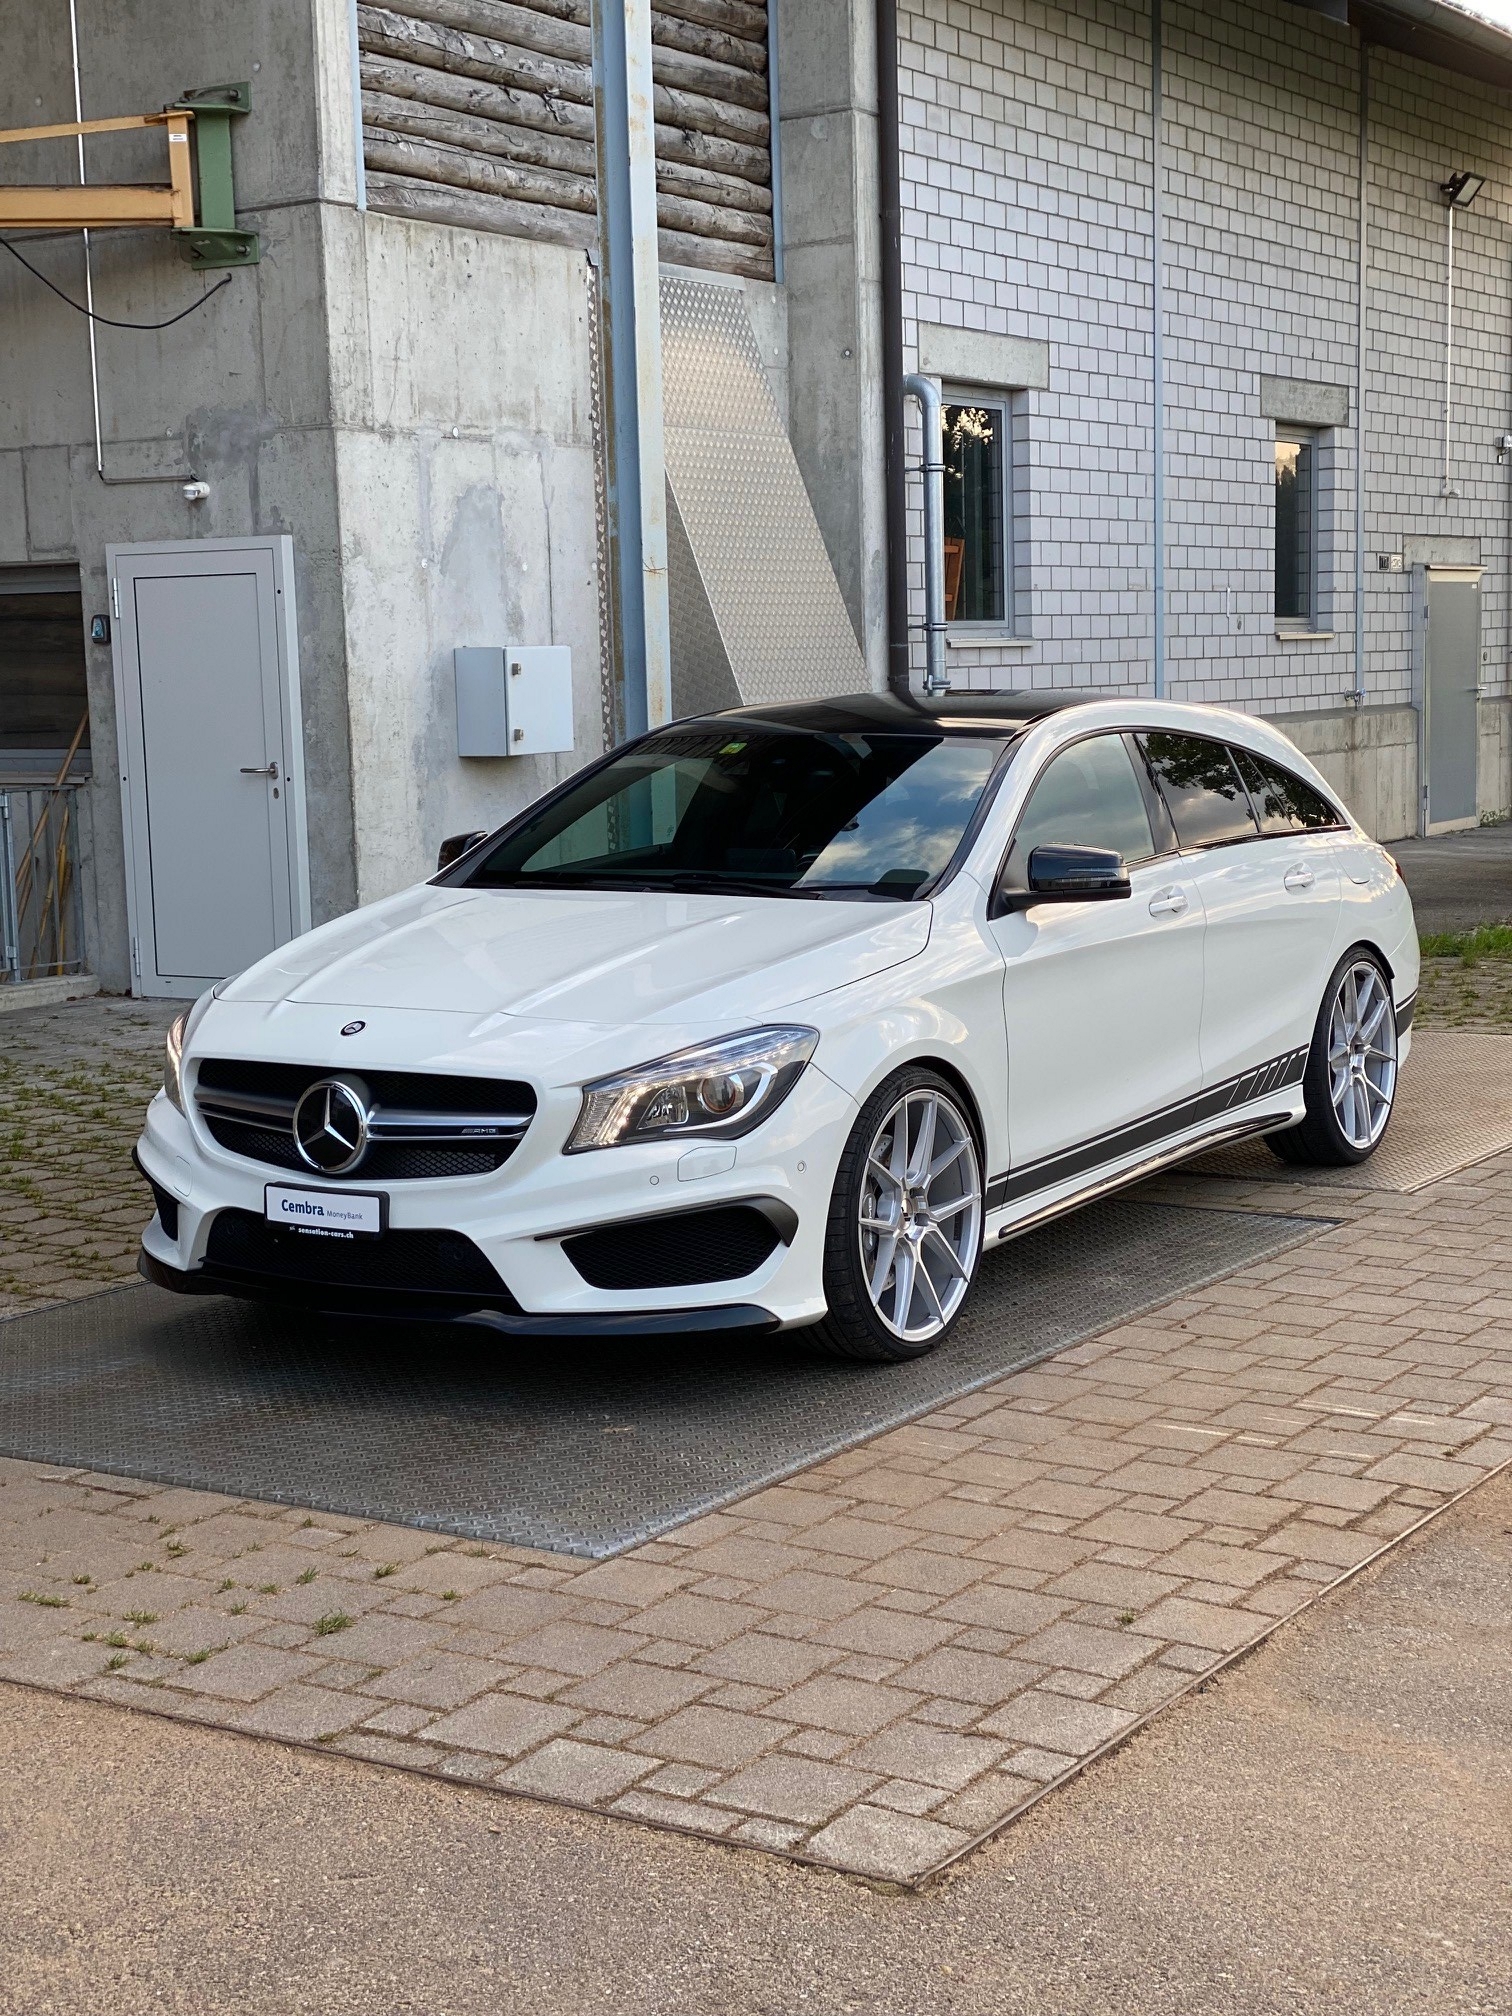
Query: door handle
{"points": [[1299, 878], [1167, 903], [268, 770]]}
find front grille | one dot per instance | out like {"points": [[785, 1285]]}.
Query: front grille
{"points": [[424, 1124], [722, 1243], [420, 1261]]}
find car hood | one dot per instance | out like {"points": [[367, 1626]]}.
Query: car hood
{"points": [[586, 956]]}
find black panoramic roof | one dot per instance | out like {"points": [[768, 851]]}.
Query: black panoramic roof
{"points": [[994, 713]]}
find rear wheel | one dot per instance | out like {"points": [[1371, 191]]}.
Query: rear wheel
{"points": [[905, 1223], [1350, 1081]]}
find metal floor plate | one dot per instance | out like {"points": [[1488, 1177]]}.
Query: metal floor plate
{"points": [[581, 1450], [1454, 1107]]}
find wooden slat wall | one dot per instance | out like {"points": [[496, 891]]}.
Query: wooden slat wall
{"points": [[480, 113]]}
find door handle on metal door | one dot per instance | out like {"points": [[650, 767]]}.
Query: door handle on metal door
{"points": [[1299, 878], [268, 770], [1167, 903]]}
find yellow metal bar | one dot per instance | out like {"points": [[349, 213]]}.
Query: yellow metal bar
{"points": [[71, 131], [95, 206]]}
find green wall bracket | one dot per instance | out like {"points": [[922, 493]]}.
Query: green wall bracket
{"points": [[215, 240]]}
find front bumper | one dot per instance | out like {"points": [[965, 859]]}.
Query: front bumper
{"points": [[519, 1217]]}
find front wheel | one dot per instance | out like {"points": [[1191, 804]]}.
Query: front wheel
{"points": [[1350, 1081], [905, 1223]]}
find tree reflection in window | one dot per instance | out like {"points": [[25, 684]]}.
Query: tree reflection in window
{"points": [[1208, 803], [975, 513]]}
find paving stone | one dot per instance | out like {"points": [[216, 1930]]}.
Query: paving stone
{"points": [[434, 1680], [636, 1689], [878, 1843], [885, 1633], [382, 1640], [398, 1720], [985, 1803], [246, 1672], [681, 1781], [806, 1593], [1055, 1722], [502, 1725], [903, 1795], [1200, 1624], [792, 1788], [853, 1707], [571, 1648], [1121, 1588], [508, 1609], [778, 1834], [698, 1620], [300, 1713], [664, 1812], [718, 1736], [1089, 1649], [766, 1661], [565, 1769], [969, 1676], [1045, 1766], [1236, 1566], [1000, 1609], [932, 1756]]}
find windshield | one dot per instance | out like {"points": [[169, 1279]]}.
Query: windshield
{"points": [[778, 812]]}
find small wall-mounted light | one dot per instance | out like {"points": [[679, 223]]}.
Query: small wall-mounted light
{"points": [[195, 492], [1461, 190]]}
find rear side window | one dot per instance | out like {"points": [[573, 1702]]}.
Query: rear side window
{"points": [[1283, 802], [1204, 793], [1087, 796]]}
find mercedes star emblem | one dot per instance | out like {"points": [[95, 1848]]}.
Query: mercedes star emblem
{"points": [[354, 1028], [331, 1126]]}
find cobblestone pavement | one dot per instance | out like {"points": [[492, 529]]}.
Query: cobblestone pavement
{"points": [[877, 1663], [1456, 994], [74, 1084]]}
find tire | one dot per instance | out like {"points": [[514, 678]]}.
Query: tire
{"points": [[1350, 1080], [880, 1183]]}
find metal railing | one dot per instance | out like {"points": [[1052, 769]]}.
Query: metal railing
{"points": [[41, 909]]}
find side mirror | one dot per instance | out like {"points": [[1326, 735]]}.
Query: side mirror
{"points": [[453, 849], [1076, 875], [1069, 875]]}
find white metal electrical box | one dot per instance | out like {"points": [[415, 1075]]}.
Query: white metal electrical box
{"points": [[514, 700]]}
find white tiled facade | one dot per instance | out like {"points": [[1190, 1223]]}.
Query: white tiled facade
{"points": [[1027, 213]]}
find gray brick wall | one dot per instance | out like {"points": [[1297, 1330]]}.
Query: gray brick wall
{"points": [[1026, 181]]}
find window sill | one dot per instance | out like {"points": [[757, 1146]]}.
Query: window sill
{"points": [[1304, 636], [989, 640]]}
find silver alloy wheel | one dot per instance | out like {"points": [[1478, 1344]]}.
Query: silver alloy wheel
{"points": [[1362, 1054], [921, 1215]]}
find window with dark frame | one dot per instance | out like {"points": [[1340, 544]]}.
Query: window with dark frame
{"points": [[977, 505], [44, 705], [1296, 529]]}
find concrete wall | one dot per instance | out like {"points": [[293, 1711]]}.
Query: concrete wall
{"points": [[465, 480], [1027, 192], [831, 239], [238, 392]]}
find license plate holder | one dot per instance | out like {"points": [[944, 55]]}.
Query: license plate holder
{"points": [[327, 1214]]}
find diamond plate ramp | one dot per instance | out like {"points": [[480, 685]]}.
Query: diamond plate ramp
{"points": [[1454, 1107], [579, 1449]]}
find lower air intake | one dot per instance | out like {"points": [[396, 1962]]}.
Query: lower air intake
{"points": [[723, 1243]]}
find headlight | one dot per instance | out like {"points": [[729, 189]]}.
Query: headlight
{"points": [[173, 1061], [721, 1088]]}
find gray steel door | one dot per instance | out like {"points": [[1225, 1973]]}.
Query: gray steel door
{"points": [[207, 698], [1452, 667]]}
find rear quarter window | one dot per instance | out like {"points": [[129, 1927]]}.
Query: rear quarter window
{"points": [[1206, 798], [1285, 803]]}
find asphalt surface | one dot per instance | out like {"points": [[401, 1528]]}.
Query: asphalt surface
{"points": [[1327, 1828], [1460, 879]]}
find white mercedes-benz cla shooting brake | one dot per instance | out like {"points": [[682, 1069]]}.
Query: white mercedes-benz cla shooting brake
{"points": [[781, 1017]]}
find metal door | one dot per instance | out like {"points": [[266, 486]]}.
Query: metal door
{"points": [[212, 783], [1451, 678]]}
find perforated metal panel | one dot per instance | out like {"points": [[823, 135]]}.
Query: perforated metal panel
{"points": [[754, 601], [580, 1448]]}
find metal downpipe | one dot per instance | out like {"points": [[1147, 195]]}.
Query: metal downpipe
{"points": [[932, 466], [890, 206]]}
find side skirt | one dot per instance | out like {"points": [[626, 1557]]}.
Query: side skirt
{"points": [[1135, 1172]]}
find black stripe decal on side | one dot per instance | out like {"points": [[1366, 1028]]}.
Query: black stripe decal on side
{"points": [[1404, 1012], [1242, 1090]]}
